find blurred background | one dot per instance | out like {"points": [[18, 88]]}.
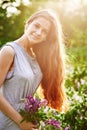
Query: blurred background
{"points": [[73, 17]]}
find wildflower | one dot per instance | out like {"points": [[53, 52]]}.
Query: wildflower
{"points": [[82, 81], [34, 111], [53, 122], [32, 105], [67, 128], [77, 83], [43, 103]]}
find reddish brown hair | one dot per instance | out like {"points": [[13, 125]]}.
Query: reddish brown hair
{"points": [[51, 58]]}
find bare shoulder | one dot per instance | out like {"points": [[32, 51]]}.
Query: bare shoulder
{"points": [[6, 55], [6, 60], [7, 51]]}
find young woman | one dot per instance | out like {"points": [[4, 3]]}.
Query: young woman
{"points": [[37, 57]]}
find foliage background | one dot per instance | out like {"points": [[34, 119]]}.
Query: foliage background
{"points": [[74, 24]]}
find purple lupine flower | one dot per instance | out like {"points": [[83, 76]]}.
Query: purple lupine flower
{"points": [[53, 122], [28, 107], [56, 123], [67, 128], [30, 99], [36, 105], [32, 105], [32, 111]]}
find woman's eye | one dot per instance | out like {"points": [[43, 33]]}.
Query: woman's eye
{"points": [[45, 31], [36, 25]]}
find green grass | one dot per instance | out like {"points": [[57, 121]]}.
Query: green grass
{"points": [[77, 55]]}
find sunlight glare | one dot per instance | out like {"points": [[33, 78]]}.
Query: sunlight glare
{"points": [[72, 4], [26, 2]]}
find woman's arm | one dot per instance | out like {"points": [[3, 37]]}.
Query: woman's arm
{"points": [[7, 109], [6, 60], [13, 114]]}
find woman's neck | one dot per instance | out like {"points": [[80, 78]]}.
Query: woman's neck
{"points": [[25, 44]]}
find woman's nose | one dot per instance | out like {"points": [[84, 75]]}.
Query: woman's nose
{"points": [[39, 31]]}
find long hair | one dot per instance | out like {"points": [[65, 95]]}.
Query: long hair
{"points": [[51, 58]]}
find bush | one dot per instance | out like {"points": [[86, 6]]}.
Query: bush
{"points": [[76, 85]]}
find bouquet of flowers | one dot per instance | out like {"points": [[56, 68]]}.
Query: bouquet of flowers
{"points": [[34, 112]]}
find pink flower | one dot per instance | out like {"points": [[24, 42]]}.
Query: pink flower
{"points": [[43, 103], [53, 122], [67, 128]]}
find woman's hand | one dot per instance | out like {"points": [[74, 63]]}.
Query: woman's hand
{"points": [[27, 125]]}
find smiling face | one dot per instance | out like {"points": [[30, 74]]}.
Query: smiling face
{"points": [[37, 30]]}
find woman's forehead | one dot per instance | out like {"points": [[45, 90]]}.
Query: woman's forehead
{"points": [[43, 22]]}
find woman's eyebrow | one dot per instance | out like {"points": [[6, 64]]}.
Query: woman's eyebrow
{"points": [[42, 25]]}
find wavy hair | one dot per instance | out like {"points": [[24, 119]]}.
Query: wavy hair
{"points": [[51, 58]]}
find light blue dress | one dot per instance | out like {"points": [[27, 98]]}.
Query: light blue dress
{"points": [[21, 81]]}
